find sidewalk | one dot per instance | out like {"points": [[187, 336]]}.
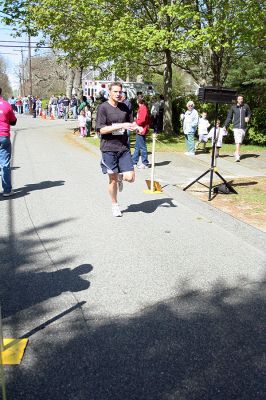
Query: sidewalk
{"points": [[179, 169]]}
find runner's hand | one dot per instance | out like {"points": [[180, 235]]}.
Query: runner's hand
{"points": [[129, 126]]}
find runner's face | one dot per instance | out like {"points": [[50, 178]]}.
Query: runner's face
{"points": [[116, 93]]}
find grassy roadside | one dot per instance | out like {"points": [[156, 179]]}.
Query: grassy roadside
{"points": [[249, 205], [176, 144]]}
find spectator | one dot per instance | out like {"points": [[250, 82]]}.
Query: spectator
{"points": [[143, 124], [7, 118], [219, 134], [19, 105], [38, 107], [88, 120], [203, 130], [73, 106], [190, 123], [155, 107], [240, 115], [65, 103], [160, 114], [82, 123]]}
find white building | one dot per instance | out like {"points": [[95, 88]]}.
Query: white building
{"points": [[92, 86]]}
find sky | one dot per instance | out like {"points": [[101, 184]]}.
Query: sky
{"points": [[12, 55]]}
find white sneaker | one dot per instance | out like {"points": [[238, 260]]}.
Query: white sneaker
{"points": [[237, 158], [8, 194], [142, 166], [116, 210]]}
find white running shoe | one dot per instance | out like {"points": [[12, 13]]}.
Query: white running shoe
{"points": [[142, 166], [237, 158], [116, 210]]}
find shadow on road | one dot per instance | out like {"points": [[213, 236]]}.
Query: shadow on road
{"points": [[162, 163], [31, 187], [23, 282], [150, 206], [197, 345]]}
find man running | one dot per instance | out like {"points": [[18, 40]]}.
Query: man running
{"points": [[112, 122]]}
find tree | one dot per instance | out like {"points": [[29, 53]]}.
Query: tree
{"points": [[4, 80], [203, 37]]}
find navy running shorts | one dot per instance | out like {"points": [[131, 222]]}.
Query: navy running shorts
{"points": [[115, 161]]}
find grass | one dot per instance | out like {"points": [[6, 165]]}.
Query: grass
{"points": [[176, 144], [249, 205]]}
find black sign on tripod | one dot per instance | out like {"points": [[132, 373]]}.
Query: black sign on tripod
{"points": [[217, 95]]}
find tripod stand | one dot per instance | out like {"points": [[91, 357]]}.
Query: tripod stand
{"points": [[213, 169]]}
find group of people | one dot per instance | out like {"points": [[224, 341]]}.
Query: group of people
{"points": [[114, 123], [20, 105], [239, 114], [64, 107]]}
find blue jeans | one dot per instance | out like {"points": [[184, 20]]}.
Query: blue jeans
{"points": [[74, 112], [65, 113], [190, 143], [5, 157], [140, 148]]}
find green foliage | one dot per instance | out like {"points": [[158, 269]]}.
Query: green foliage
{"points": [[249, 77]]}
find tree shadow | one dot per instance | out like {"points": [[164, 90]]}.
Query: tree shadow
{"points": [[196, 345], [27, 189], [150, 206]]}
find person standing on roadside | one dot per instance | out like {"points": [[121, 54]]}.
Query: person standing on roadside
{"points": [[73, 106], [190, 123], [66, 103], [7, 118], [240, 115], [112, 122], [143, 121]]}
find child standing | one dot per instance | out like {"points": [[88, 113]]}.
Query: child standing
{"points": [[220, 133], [203, 130], [82, 123]]}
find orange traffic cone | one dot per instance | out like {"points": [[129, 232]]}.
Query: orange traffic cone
{"points": [[43, 115], [52, 116]]}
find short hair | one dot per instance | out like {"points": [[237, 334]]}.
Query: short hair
{"points": [[115, 84], [0, 90], [190, 103]]}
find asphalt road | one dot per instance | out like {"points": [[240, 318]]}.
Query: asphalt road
{"points": [[165, 303]]}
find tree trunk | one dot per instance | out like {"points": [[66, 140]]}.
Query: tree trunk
{"points": [[69, 82], [168, 89], [78, 82], [216, 66]]}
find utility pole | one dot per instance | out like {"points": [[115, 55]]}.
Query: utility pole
{"points": [[22, 74], [30, 68]]}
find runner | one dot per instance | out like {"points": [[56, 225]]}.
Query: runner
{"points": [[112, 122]]}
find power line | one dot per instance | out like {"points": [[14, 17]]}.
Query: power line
{"points": [[15, 41], [36, 47]]}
